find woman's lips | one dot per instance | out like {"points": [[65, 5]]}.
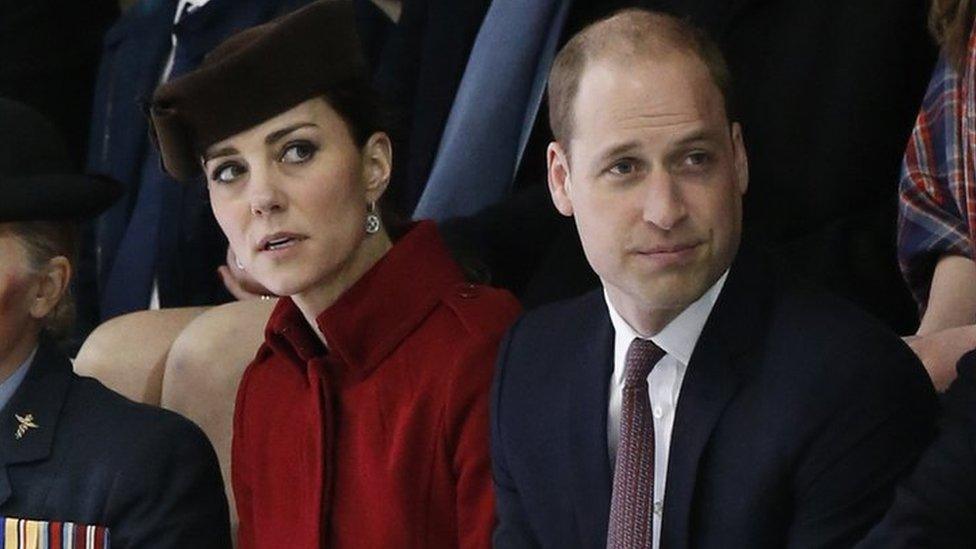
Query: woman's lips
{"points": [[278, 241]]}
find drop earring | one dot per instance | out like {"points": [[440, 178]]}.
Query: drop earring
{"points": [[372, 219]]}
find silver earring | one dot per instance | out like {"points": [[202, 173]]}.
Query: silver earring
{"points": [[372, 219], [240, 265]]}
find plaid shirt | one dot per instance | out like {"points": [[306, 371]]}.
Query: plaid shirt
{"points": [[937, 206]]}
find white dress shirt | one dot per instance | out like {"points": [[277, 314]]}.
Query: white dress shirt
{"points": [[678, 340]]}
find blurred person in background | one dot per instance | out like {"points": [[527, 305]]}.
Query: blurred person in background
{"points": [[77, 459]]}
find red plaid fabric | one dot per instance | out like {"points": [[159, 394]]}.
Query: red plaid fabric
{"points": [[937, 206]]}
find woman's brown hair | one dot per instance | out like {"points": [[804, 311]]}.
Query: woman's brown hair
{"points": [[950, 22]]}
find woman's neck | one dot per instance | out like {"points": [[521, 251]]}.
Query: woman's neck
{"points": [[322, 295]]}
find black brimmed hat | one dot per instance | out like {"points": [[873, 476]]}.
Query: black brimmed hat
{"points": [[37, 180], [254, 76]]}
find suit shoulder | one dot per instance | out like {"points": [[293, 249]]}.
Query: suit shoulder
{"points": [[561, 316], [483, 311], [109, 416], [846, 348], [824, 316]]}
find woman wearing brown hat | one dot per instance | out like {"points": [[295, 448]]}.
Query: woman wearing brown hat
{"points": [[80, 466], [363, 420]]}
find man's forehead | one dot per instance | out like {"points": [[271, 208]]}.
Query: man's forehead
{"points": [[672, 90]]}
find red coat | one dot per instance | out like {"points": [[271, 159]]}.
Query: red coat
{"points": [[381, 441]]}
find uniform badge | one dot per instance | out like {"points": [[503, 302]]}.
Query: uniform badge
{"points": [[24, 422]]}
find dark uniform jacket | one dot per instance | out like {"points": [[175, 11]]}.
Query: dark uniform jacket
{"points": [[95, 458], [797, 416]]}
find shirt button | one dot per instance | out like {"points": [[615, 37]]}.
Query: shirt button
{"points": [[658, 412], [658, 508]]}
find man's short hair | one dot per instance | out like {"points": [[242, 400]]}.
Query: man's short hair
{"points": [[629, 33]]}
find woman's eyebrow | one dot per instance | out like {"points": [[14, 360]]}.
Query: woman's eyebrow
{"points": [[278, 134], [226, 151]]}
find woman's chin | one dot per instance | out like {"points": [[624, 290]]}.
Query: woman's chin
{"points": [[284, 285]]}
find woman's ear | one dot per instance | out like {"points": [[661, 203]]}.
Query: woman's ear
{"points": [[377, 165], [52, 284]]}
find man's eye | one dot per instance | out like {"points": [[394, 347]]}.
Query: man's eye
{"points": [[697, 159], [296, 153], [623, 167], [225, 173]]}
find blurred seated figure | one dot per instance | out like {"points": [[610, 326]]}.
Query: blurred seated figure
{"points": [[937, 211], [78, 460]]}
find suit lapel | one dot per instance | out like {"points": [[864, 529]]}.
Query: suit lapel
{"points": [[713, 377], [38, 402], [590, 358]]}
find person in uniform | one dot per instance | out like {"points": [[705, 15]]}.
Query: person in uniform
{"points": [[363, 419], [79, 464]]}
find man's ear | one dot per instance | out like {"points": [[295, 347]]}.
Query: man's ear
{"points": [[740, 159], [377, 165], [559, 178], [52, 284]]}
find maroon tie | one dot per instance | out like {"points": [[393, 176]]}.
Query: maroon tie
{"points": [[632, 506]]}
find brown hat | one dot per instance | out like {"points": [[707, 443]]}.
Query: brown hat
{"points": [[253, 76]]}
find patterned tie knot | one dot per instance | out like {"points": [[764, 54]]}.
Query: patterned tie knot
{"points": [[642, 355]]}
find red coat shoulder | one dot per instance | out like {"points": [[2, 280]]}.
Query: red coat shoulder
{"points": [[482, 310]]}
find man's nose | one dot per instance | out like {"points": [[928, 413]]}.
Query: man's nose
{"points": [[664, 205]]}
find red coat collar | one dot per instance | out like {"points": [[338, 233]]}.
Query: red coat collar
{"points": [[385, 305]]}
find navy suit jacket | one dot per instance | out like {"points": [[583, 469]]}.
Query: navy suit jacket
{"points": [[797, 415], [97, 458], [936, 505]]}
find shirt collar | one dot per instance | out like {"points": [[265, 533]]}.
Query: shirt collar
{"points": [[189, 6], [679, 337], [10, 385], [385, 305]]}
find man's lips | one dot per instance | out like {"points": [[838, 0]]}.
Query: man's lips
{"points": [[668, 249], [278, 241]]}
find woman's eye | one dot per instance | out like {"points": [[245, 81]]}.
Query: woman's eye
{"points": [[226, 173], [296, 153]]}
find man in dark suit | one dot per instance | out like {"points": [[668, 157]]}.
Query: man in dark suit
{"points": [[825, 141], [702, 397], [72, 452]]}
